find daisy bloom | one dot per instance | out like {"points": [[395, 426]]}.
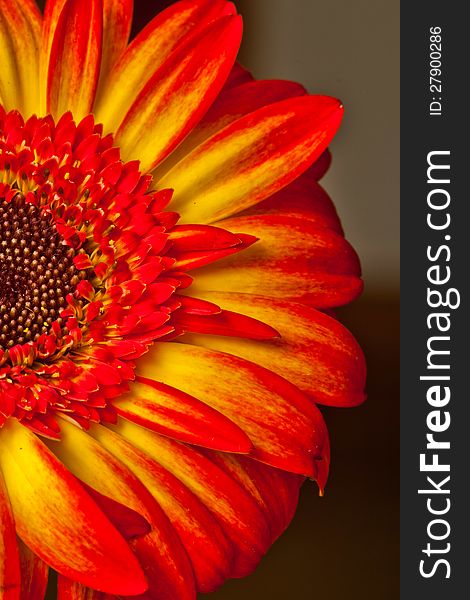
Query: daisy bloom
{"points": [[168, 269]]}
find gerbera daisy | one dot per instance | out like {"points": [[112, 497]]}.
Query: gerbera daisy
{"points": [[168, 266]]}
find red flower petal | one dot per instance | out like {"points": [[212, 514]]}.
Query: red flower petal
{"points": [[179, 93], [236, 512], [275, 491], [229, 106], [117, 21], [75, 58], [210, 552], [181, 416], [71, 590], [10, 579], [315, 351], [287, 431], [252, 158], [34, 574], [58, 520], [166, 565], [300, 260], [304, 198], [147, 53], [225, 323]]}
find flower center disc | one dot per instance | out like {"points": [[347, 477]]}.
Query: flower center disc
{"points": [[36, 272]]}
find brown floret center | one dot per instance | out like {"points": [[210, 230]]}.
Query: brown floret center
{"points": [[36, 272]]}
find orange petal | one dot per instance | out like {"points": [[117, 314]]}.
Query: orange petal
{"points": [[179, 93], [147, 53], [230, 105], [20, 38], [117, 21], [286, 429], [275, 491], [52, 11], [10, 579], [71, 590], [34, 574], [315, 351], [304, 198], [238, 76], [226, 323], [160, 552], [293, 259], [128, 522], [210, 552], [181, 416], [75, 58], [252, 158], [236, 512], [57, 519]]}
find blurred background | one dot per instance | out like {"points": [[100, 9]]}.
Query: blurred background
{"points": [[343, 546]]}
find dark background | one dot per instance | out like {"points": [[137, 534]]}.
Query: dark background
{"points": [[344, 546]]}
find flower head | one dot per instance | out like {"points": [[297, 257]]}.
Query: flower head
{"points": [[168, 266]]}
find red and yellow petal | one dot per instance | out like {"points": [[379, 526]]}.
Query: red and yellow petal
{"points": [[117, 21], [10, 577], [236, 512], [34, 574], [72, 590], [252, 158], [293, 259], [179, 93], [57, 519], [314, 350], [75, 58], [171, 412], [210, 551], [149, 51], [160, 551], [20, 38], [229, 106], [275, 491], [52, 11], [286, 429], [304, 198]]}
